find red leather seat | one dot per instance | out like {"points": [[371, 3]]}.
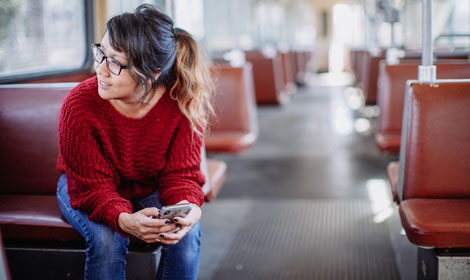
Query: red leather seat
{"points": [[29, 149], [391, 95], [369, 76], [436, 158], [441, 223], [270, 84], [29, 116], [217, 174], [356, 63], [34, 217], [287, 59], [235, 126]]}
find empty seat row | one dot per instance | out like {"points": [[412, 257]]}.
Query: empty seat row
{"points": [[276, 76], [431, 181], [391, 95]]}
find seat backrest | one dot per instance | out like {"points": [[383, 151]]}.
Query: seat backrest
{"points": [[234, 104], [357, 63], [29, 116], [29, 147], [436, 157], [392, 85], [288, 66], [269, 80], [372, 74]]}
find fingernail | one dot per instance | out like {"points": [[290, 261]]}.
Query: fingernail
{"points": [[158, 240], [161, 235], [175, 220], [178, 225], [167, 222]]}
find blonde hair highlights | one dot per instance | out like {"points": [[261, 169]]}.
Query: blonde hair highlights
{"points": [[193, 82]]}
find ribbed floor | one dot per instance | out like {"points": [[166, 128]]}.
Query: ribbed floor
{"points": [[308, 239]]}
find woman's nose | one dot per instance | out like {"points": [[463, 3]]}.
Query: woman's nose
{"points": [[101, 68]]}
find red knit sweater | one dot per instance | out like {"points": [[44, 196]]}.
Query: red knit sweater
{"points": [[109, 158]]}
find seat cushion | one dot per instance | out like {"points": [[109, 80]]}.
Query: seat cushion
{"points": [[229, 141], [34, 217], [392, 174], [388, 142], [440, 223], [217, 173]]}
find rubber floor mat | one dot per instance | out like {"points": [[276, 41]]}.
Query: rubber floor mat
{"points": [[309, 239]]}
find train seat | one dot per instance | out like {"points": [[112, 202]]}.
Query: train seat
{"points": [[218, 171], [356, 63], [369, 76], [436, 157], [288, 67], [235, 126], [439, 223], [300, 65], [29, 213], [269, 81], [391, 95]]}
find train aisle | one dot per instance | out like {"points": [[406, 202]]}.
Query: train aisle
{"points": [[306, 202]]}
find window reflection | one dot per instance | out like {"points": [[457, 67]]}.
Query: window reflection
{"points": [[41, 35]]}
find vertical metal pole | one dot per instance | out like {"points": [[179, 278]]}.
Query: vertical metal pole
{"points": [[426, 71], [426, 59]]}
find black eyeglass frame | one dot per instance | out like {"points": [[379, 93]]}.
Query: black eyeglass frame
{"points": [[107, 58]]}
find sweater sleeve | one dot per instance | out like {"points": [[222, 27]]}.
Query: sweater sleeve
{"points": [[92, 182], [182, 178]]}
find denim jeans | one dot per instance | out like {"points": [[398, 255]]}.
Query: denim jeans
{"points": [[106, 250]]}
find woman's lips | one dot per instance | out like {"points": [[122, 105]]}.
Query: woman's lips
{"points": [[102, 84]]}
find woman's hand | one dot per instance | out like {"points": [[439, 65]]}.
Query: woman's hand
{"points": [[144, 226], [183, 226]]}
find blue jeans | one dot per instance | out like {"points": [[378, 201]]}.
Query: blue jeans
{"points": [[106, 250]]}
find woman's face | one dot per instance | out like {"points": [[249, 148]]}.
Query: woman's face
{"points": [[115, 87]]}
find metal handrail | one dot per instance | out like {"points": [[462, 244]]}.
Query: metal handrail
{"points": [[427, 71], [451, 35]]}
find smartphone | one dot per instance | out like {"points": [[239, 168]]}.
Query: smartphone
{"points": [[177, 210]]}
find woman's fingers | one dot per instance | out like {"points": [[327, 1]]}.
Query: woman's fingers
{"points": [[150, 222], [150, 211], [191, 219], [172, 238]]}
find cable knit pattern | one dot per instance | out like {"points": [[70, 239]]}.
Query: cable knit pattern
{"points": [[110, 158]]}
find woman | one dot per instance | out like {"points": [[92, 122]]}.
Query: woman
{"points": [[130, 141]]}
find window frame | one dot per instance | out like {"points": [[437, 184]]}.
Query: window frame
{"points": [[85, 67]]}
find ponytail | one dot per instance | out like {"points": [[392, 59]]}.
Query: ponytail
{"points": [[193, 83]]}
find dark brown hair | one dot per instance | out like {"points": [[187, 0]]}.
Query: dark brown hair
{"points": [[152, 46]]}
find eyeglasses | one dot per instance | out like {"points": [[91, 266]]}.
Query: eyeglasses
{"points": [[113, 65]]}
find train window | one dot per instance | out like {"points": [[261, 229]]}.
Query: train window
{"points": [[450, 25], [119, 6], [456, 32], [229, 24], [39, 36], [189, 15]]}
